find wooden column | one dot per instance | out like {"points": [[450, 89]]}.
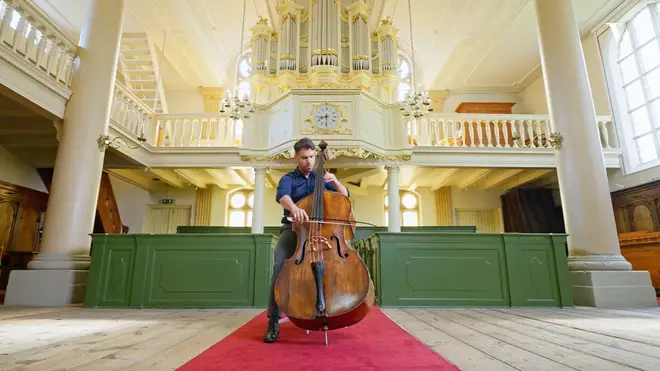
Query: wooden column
{"points": [[444, 206], [203, 206]]}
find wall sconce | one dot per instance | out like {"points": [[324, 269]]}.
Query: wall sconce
{"points": [[104, 142]]}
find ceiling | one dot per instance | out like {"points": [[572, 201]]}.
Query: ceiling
{"points": [[358, 180], [459, 44]]}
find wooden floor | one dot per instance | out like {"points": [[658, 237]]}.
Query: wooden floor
{"points": [[473, 339]]}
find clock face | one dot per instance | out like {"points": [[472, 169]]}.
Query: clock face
{"points": [[326, 116]]}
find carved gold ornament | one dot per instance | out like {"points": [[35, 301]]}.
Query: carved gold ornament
{"points": [[359, 153], [556, 140]]}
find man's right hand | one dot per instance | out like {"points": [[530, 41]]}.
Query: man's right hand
{"points": [[298, 214]]}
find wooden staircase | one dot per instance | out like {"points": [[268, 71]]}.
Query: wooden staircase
{"points": [[107, 219]]}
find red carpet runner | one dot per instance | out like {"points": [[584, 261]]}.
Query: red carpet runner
{"points": [[376, 343]]}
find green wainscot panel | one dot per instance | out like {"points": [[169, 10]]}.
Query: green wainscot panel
{"points": [[180, 270], [471, 269]]}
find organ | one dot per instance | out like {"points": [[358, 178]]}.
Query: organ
{"points": [[324, 44]]}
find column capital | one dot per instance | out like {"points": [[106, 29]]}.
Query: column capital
{"points": [[260, 169], [392, 168], [212, 92]]}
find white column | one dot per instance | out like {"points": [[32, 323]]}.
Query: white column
{"points": [[587, 205], [59, 272], [258, 202], [393, 200]]}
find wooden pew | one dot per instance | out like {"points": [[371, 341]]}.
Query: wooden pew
{"points": [[642, 250]]}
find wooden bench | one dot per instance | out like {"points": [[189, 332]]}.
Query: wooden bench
{"points": [[642, 250]]}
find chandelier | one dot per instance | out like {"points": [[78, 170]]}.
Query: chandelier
{"points": [[238, 108], [416, 103]]}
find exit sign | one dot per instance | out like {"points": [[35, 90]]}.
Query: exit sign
{"points": [[167, 201]]}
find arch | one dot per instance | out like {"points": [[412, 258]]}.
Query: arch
{"points": [[409, 208], [239, 208]]}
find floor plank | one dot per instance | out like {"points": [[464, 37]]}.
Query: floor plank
{"points": [[506, 339]]}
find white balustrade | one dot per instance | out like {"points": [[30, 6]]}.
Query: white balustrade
{"points": [[197, 130], [491, 130], [27, 33], [129, 112]]}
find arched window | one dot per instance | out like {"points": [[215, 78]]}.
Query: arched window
{"points": [[409, 205], [405, 76], [638, 61], [243, 73], [239, 208]]}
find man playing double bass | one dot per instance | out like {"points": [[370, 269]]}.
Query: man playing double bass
{"points": [[293, 187]]}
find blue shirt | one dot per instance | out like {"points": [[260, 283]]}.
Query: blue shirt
{"points": [[296, 186]]}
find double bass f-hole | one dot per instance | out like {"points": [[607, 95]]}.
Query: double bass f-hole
{"points": [[316, 244]]}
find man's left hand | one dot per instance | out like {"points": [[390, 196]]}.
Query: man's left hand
{"points": [[330, 178]]}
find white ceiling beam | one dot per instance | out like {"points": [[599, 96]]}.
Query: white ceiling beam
{"points": [[219, 180], [526, 177], [191, 177], [136, 177], [471, 178], [246, 179], [498, 177], [355, 190], [356, 174], [441, 177], [169, 177]]}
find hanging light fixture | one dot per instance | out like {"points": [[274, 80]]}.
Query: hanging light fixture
{"points": [[416, 104], [238, 107]]}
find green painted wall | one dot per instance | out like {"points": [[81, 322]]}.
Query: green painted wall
{"points": [[180, 271], [466, 269], [228, 270]]}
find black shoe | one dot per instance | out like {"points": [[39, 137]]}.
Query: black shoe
{"points": [[273, 331]]}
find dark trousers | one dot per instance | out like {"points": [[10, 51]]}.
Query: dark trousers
{"points": [[284, 250]]}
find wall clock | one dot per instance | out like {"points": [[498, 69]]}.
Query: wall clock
{"points": [[326, 118]]}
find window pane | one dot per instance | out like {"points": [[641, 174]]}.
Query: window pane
{"points": [[634, 95], [653, 83], [646, 147], [642, 27], [409, 201], [236, 218], [248, 222], [629, 69], [250, 200], [640, 121], [237, 200], [410, 219], [649, 56], [655, 113], [625, 47], [404, 69], [245, 67]]}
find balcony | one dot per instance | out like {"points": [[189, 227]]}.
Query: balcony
{"points": [[36, 61], [463, 140]]}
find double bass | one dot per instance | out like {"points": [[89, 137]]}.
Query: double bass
{"points": [[325, 285]]}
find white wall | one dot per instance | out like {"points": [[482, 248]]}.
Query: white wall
{"points": [[184, 101], [16, 172], [131, 201], [456, 97], [533, 97]]}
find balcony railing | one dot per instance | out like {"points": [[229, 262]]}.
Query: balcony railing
{"points": [[494, 131], [36, 41], [173, 130]]}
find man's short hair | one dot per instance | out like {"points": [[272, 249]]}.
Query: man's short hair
{"points": [[304, 143]]}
